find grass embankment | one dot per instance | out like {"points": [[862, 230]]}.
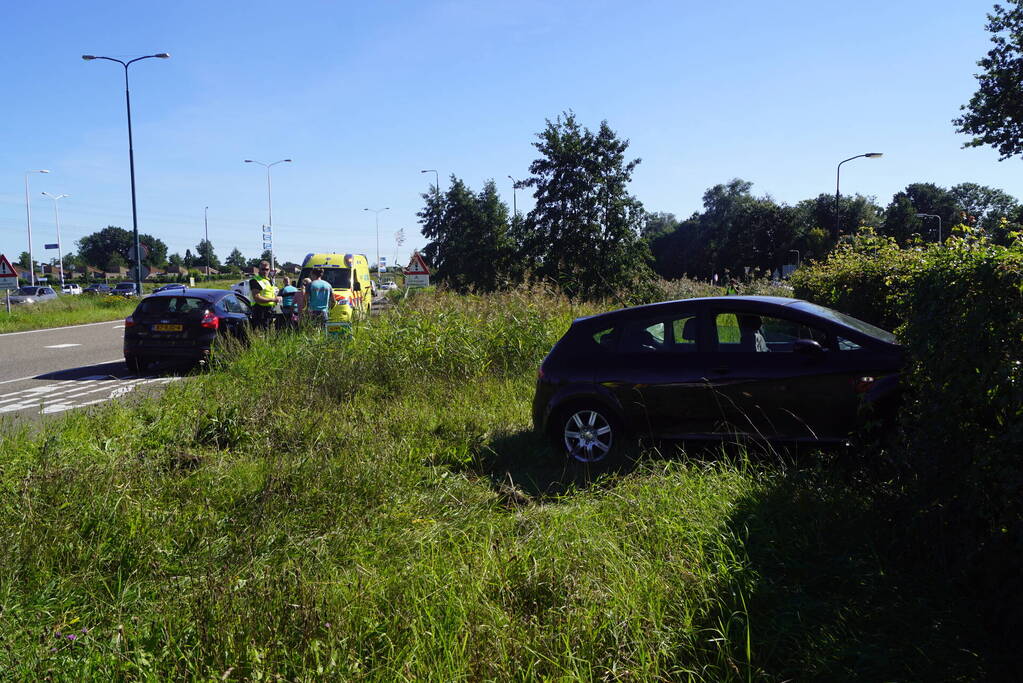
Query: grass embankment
{"points": [[67, 310], [381, 510]]}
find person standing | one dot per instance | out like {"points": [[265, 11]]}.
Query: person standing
{"points": [[319, 298], [288, 293], [264, 296]]}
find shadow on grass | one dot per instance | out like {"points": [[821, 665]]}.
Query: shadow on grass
{"points": [[833, 591]]}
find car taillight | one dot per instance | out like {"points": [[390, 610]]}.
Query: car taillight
{"points": [[210, 321], [128, 322]]}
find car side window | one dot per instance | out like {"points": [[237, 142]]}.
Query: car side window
{"points": [[751, 333], [607, 339], [684, 333], [847, 344], [643, 336]]}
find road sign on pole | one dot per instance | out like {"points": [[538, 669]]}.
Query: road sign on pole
{"points": [[8, 274], [416, 273]]}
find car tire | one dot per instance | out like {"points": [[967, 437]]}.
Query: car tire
{"points": [[588, 433]]}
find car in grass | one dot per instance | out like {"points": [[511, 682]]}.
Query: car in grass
{"points": [[388, 285], [32, 294], [125, 289], [182, 325], [71, 289], [103, 290], [734, 368]]}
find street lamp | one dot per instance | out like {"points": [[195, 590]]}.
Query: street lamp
{"points": [[269, 202], [515, 203], [206, 228], [838, 175], [377, 212], [436, 176], [933, 215], [28, 215], [56, 219], [131, 158]]}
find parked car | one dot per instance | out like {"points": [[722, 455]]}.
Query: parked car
{"points": [[746, 367], [242, 289], [182, 325], [32, 294], [125, 289], [71, 289], [173, 285], [97, 289], [388, 285]]}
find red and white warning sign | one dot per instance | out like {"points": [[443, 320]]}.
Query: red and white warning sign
{"points": [[8, 274], [416, 272]]}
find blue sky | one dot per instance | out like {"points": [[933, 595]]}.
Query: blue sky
{"points": [[364, 95]]}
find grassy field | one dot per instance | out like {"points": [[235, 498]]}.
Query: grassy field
{"points": [[67, 310], [381, 510]]}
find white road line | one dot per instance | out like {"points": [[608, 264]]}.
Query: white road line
{"points": [[61, 346], [51, 329]]}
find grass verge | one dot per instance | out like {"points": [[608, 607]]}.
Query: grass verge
{"points": [[380, 510], [67, 310]]}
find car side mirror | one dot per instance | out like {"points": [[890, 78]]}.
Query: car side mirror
{"points": [[807, 346]]}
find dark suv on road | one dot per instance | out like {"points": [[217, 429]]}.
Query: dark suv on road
{"points": [[759, 368], [182, 325]]}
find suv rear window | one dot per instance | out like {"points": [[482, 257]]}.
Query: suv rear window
{"points": [[171, 306]]}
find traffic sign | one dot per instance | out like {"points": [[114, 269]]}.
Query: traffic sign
{"points": [[8, 274], [51, 246], [416, 265]]}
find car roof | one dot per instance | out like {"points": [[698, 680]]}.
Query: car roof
{"points": [[207, 294], [697, 301]]}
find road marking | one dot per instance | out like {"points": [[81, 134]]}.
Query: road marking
{"points": [[51, 329], [118, 327], [22, 379], [47, 402], [61, 346]]}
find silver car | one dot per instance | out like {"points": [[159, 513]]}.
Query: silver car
{"points": [[33, 294]]}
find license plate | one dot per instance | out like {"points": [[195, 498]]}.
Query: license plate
{"points": [[168, 328]]}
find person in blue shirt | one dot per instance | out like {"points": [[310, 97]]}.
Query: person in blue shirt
{"points": [[319, 298], [288, 293]]}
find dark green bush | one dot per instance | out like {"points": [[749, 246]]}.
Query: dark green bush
{"points": [[958, 308]]}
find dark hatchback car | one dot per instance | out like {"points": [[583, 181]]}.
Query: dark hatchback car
{"points": [[182, 325], [737, 367], [97, 289]]}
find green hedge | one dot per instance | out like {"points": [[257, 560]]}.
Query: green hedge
{"points": [[958, 308]]}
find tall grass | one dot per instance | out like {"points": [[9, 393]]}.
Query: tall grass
{"points": [[380, 510], [66, 310]]}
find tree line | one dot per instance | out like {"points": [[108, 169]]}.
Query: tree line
{"points": [[590, 237]]}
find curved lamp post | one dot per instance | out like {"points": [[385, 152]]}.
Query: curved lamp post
{"points": [[933, 215], [437, 178], [56, 219], [515, 202], [131, 157], [377, 212], [28, 217], [838, 175], [269, 202]]}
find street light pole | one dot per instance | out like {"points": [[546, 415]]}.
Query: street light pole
{"points": [[56, 219], [933, 215], [269, 202], [436, 177], [131, 158], [515, 203], [28, 217], [206, 228], [377, 212], [838, 175]]}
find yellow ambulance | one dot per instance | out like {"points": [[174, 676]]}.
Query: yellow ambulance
{"points": [[348, 276]]}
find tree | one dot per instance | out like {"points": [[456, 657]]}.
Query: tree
{"points": [[657, 224], [994, 115], [98, 248], [470, 246], [23, 262], [204, 254], [988, 208], [584, 231], [189, 260], [176, 260], [902, 215], [235, 259]]}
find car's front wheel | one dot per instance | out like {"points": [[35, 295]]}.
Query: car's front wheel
{"points": [[589, 434]]}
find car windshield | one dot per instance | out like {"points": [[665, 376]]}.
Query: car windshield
{"points": [[848, 321], [27, 291], [171, 306], [338, 278]]}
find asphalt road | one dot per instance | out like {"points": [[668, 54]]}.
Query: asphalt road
{"points": [[48, 372]]}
